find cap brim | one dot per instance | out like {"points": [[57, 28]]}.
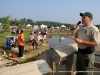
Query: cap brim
{"points": [[82, 14]]}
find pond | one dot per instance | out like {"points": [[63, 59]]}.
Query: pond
{"points": [[56, 41]]}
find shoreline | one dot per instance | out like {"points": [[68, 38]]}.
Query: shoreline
{"points": [[30, 55]]}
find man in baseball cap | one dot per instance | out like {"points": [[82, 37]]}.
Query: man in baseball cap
{"points": [[86, 37], [86, 18]]}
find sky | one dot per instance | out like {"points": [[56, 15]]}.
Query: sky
{"points": [[64, 11]]}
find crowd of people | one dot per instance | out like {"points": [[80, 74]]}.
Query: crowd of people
{"points": [[36, 37], [17, 40]]}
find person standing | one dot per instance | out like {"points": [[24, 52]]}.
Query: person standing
{"points": [[18, 30], [37, 31], [12, 30], [21, 44], [86, 37]]}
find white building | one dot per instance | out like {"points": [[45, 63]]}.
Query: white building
{"points": [[43, 26]]}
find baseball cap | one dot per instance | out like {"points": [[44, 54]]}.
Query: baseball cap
{"points": [[88, 14]]}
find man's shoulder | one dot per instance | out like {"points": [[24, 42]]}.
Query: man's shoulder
{"points": [[93, 27]]}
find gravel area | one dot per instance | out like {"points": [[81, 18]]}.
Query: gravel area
{"points": [[4, 62]]}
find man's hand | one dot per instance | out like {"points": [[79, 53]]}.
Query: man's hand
{"points": [[79, 41], [75, 26]]}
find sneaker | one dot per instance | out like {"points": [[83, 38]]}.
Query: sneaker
{"points": [[22, 57], [34, 49]]}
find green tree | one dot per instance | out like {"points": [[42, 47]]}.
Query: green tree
{"points": [[59, 24], [98, 26], [20, 23], [1, 20], [33, 23], [6, 23]]}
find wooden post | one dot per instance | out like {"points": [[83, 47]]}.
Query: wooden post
{"points": [[52, 65], [97, 64], [69, 66]]}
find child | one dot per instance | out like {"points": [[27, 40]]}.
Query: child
{"points": [[40, 38], [12, 42], [34, 44]]}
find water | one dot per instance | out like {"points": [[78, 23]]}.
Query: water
{"points": [[56, 41]]}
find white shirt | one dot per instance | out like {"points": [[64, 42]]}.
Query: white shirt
{"points": [[39, 38]]}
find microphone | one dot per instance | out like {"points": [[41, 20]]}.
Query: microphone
{"points": [[79, 22]]}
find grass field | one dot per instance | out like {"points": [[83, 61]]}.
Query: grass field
{"points": [[4, 34]]}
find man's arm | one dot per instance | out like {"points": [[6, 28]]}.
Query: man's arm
{"points": [[94, 37], [74, 32], [88, 43]]}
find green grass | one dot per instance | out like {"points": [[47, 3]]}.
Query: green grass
{"points": [[26, 34], [3, 37]]}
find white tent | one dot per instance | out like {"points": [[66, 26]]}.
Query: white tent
{"points": [[63, 26], [43, 26], [28, 25]]}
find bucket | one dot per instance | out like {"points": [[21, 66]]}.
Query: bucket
{"points": [[14, 55]]}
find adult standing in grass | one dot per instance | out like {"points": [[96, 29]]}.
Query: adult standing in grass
{"points": [[18, 30], [21, 44]]}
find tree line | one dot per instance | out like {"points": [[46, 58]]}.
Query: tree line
{"points": [[25, 21], [7, 22]]}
